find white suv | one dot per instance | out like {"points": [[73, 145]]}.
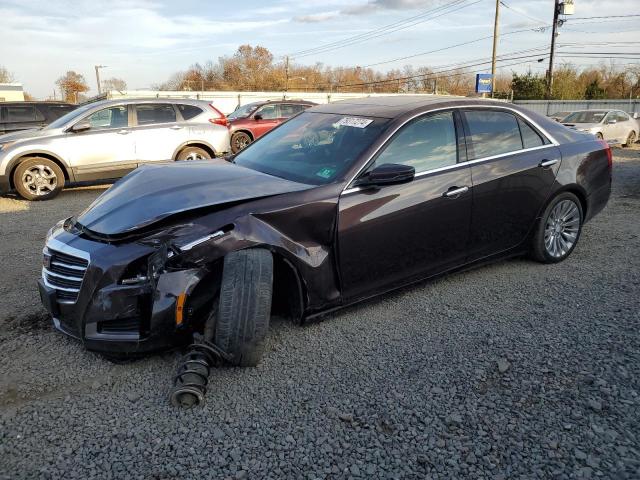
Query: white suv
{"points": [[108, 139]]}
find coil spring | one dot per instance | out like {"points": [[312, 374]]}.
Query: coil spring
{"points": [[190, 382]]}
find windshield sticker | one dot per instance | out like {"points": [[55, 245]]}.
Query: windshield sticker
{"points": [[354, 122], [326, 172]]}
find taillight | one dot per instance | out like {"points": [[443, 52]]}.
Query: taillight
{"points": [[607, 148], [221, 119]]}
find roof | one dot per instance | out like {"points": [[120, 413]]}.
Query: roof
{"points": [[397, 105]]}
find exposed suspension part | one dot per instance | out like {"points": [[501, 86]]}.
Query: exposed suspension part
{"points": [[190, 383]]}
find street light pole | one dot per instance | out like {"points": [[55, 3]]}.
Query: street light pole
{"points": [[98, 67]]}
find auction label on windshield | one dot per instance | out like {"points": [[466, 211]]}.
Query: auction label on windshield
{"points": [[354, 122]]}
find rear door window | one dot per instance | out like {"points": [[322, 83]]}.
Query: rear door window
{"points": [[269, 112], [189, 111], [154, 113], [289, 110], [20, 113], [530, 138], [492, 133]]}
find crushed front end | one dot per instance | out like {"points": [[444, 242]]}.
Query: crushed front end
{"points": [[124, 297]]}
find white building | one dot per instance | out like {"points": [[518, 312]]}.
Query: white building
{"points": [[11, 92]]}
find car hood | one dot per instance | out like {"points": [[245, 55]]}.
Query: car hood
{"points": [[154, 192], [27, 134]]}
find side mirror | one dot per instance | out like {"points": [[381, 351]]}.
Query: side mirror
{"points": [[257, 117], [387, 174], [81, 127], [612, 121]]}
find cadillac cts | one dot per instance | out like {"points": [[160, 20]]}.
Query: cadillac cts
{"points": [[341, 203]]}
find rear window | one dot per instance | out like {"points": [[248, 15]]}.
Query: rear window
{"points": [[289, 110], [189, 111], [492, 132], [19, 113], [151, 113]]}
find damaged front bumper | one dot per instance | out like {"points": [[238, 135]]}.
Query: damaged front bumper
{"points": [[88, 289]]}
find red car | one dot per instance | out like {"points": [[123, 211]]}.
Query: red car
{"points": [[253, 120]]}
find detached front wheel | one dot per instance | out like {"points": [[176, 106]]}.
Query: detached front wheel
{"points": [[244, 305]]}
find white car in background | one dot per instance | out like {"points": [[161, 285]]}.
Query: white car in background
{"points": [[614, 126], [108, 139]]}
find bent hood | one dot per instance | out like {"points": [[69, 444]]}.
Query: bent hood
{"points": [[154, 192]]}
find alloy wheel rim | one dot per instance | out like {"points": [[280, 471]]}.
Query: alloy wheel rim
{"points": [[241, 141], [561, 229], [194, 156], [39, 180]]}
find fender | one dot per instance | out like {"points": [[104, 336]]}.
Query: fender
{"points": [[13, 163]]}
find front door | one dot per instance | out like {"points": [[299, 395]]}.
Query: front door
{"points": [[106, 150], [393, 234], [266, 118], [513, 169]]}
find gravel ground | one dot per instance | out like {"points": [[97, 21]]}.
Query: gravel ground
{"points": [[515, 370]]}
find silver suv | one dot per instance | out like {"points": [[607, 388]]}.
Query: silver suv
{"points": [[108, 139]]}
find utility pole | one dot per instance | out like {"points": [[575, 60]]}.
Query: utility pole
{"points": [[98, 67], [495, 47], [554, 34], [286, 73]]}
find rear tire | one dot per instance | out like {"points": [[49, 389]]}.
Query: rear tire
{"points": [[239, 141], [193, 153], [38, 178], [631, 139], [244, 305], [558, 230]]}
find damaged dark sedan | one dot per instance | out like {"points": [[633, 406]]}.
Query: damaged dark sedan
{"points": [[341, 203]]}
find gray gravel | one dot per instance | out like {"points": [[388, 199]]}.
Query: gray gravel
{"points": [[515, 370]]}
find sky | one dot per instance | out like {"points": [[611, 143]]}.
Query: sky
{"points": [[145, 41]]}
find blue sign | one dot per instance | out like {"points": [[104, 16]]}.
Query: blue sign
{"points": [[483, 83]]}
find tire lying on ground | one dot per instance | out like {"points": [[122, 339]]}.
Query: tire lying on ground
{"points": [[244, 305], [38, 178]]}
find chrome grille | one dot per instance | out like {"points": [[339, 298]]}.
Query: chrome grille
{"points": [[64, 273]]}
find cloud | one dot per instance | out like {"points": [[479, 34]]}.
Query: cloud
{"points": [[315, 18], [376, 5]]}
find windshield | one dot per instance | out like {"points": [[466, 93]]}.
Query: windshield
{"points": [[73, 114], [312, 148], [243, 111], [584, 117]]}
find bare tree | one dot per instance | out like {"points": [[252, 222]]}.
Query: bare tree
{"points": [[114, 83], [6, 76]]}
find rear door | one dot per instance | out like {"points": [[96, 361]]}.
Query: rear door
{"points": [[158, 131], [268, 117], [392, 234], [513, 166]]}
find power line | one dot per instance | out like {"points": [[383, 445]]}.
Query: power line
{"points": [[387, 29], [605, 16]]}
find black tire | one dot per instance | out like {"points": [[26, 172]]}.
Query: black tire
{"points": [[193, 153], [240, 140], [539, 250], [244, 305], [38, 178], [631, 139]]}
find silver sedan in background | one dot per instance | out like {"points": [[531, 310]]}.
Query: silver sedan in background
{"points": [[108, 139], [614, 126]]}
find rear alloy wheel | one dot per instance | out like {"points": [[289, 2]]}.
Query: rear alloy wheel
{"points": [[558, 231], [38, 179], [194, 153], [244, 306], [631, 139], [240, 140]]}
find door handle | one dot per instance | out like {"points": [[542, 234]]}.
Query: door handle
{"points": [[123, 132], [548, 163], [175, 127], [455, 192]]}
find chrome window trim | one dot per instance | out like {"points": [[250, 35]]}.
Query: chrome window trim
{"points": [[547, 135]]}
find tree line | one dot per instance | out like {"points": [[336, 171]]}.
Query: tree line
{"points": [[256, 69]]}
